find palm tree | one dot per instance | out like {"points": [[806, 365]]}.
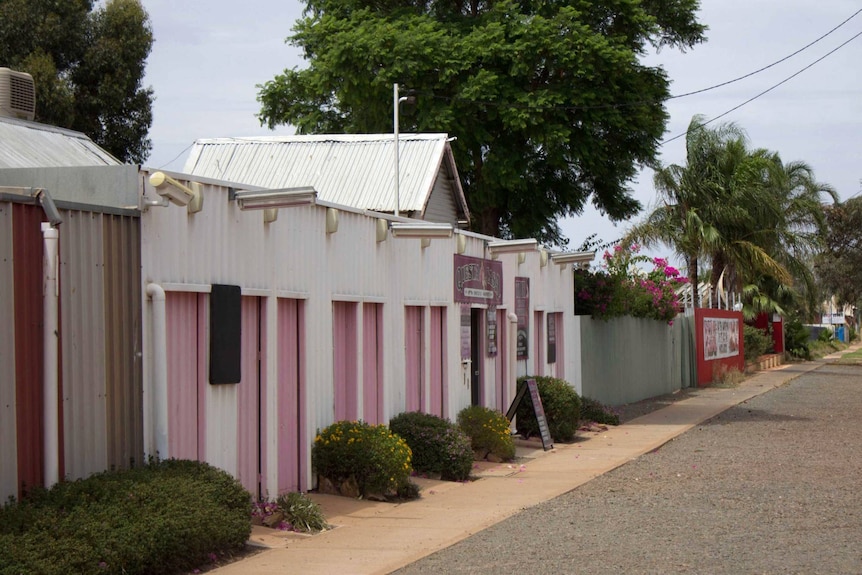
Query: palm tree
{"points": [[689, 205]]}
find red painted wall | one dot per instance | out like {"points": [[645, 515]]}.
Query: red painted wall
{"points": [[27, 281], [708, 368]]}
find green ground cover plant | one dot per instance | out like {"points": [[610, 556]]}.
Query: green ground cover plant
{"points": [[292, 511], [488, 430], [595, 411], [378, 460], [439, 447], [755, 342], [561, 404], [165, 517]]}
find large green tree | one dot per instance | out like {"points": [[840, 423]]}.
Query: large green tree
{"points": [[88, 66], [549, 101], [839, 265]]}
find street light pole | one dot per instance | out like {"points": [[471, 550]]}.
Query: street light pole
{"points": [[396, 101]]}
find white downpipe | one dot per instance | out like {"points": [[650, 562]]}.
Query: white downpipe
{"points": [[513, 354], [160, 370], [51, 336]]}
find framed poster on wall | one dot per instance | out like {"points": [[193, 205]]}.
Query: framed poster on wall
{"points": [[522, 310]]}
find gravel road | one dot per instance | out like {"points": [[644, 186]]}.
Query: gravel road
{"points": [[773, 485]]}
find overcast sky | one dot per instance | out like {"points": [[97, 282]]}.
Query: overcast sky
{"points": [[209, 55]]}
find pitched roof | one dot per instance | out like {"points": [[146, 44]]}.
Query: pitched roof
{"points": [[354, 170], [26, 144]]}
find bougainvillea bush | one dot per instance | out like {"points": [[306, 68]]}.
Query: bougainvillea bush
{"points": [[623, 287]]}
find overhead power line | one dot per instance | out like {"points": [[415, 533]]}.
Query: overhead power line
{"points": [[753, 98], [653, 101], [758, 71]]}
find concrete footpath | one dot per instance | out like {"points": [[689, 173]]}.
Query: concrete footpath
{"points": [[373, 537]]}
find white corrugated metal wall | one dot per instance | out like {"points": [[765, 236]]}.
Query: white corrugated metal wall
{"points": [[294, 257]]}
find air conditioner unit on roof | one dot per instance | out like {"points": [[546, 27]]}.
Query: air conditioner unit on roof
{"points": [[17, 95]]}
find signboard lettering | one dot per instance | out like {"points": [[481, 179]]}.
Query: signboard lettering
{"points": [[720, 337], [478, 281]]}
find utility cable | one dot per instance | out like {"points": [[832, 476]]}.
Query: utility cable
{"points": [[650, 102], [818, 60], [770, 65]]}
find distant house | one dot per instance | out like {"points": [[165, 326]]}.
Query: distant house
{"points": [[353, 170]]}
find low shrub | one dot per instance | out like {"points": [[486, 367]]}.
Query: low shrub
{"points": [[438, 445], [826, 335], [164, 517], [595, 411], [301, 513], [755, 341], [796, 340], [562, 407], [291, 511], [488, 430], [371, 455]]}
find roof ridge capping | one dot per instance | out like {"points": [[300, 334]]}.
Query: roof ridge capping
{"points": [[347, 138]]}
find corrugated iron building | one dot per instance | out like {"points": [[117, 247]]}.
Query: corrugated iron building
{"points": [[100, 403], [338, 319], [352, 170]]}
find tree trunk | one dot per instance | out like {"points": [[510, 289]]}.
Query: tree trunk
{"points": [[692, 278]]}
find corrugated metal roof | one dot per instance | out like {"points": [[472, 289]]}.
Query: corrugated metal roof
{"points": [[31, 145], [355, 170]]}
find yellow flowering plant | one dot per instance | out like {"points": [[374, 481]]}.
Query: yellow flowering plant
{"points": [[377, 459], [488, 430]]}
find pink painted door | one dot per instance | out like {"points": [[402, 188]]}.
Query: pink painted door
{"points": [[372, 362], [292, 438], [186, 317], [344, 360], [414, 346], [438, 394], [250, 396]]}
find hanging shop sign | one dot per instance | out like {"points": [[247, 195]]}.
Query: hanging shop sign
{"points": [[478, 281]]}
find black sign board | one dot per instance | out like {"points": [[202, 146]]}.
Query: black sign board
{"points": [[538, 410]]}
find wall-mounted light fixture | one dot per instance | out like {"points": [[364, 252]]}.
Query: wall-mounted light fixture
{"points": [[460, 243], [381, 230], [271, 200], [577, 258], [282, 198], [512, 247], [331, 220], [177, 193], [422, 230]]}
